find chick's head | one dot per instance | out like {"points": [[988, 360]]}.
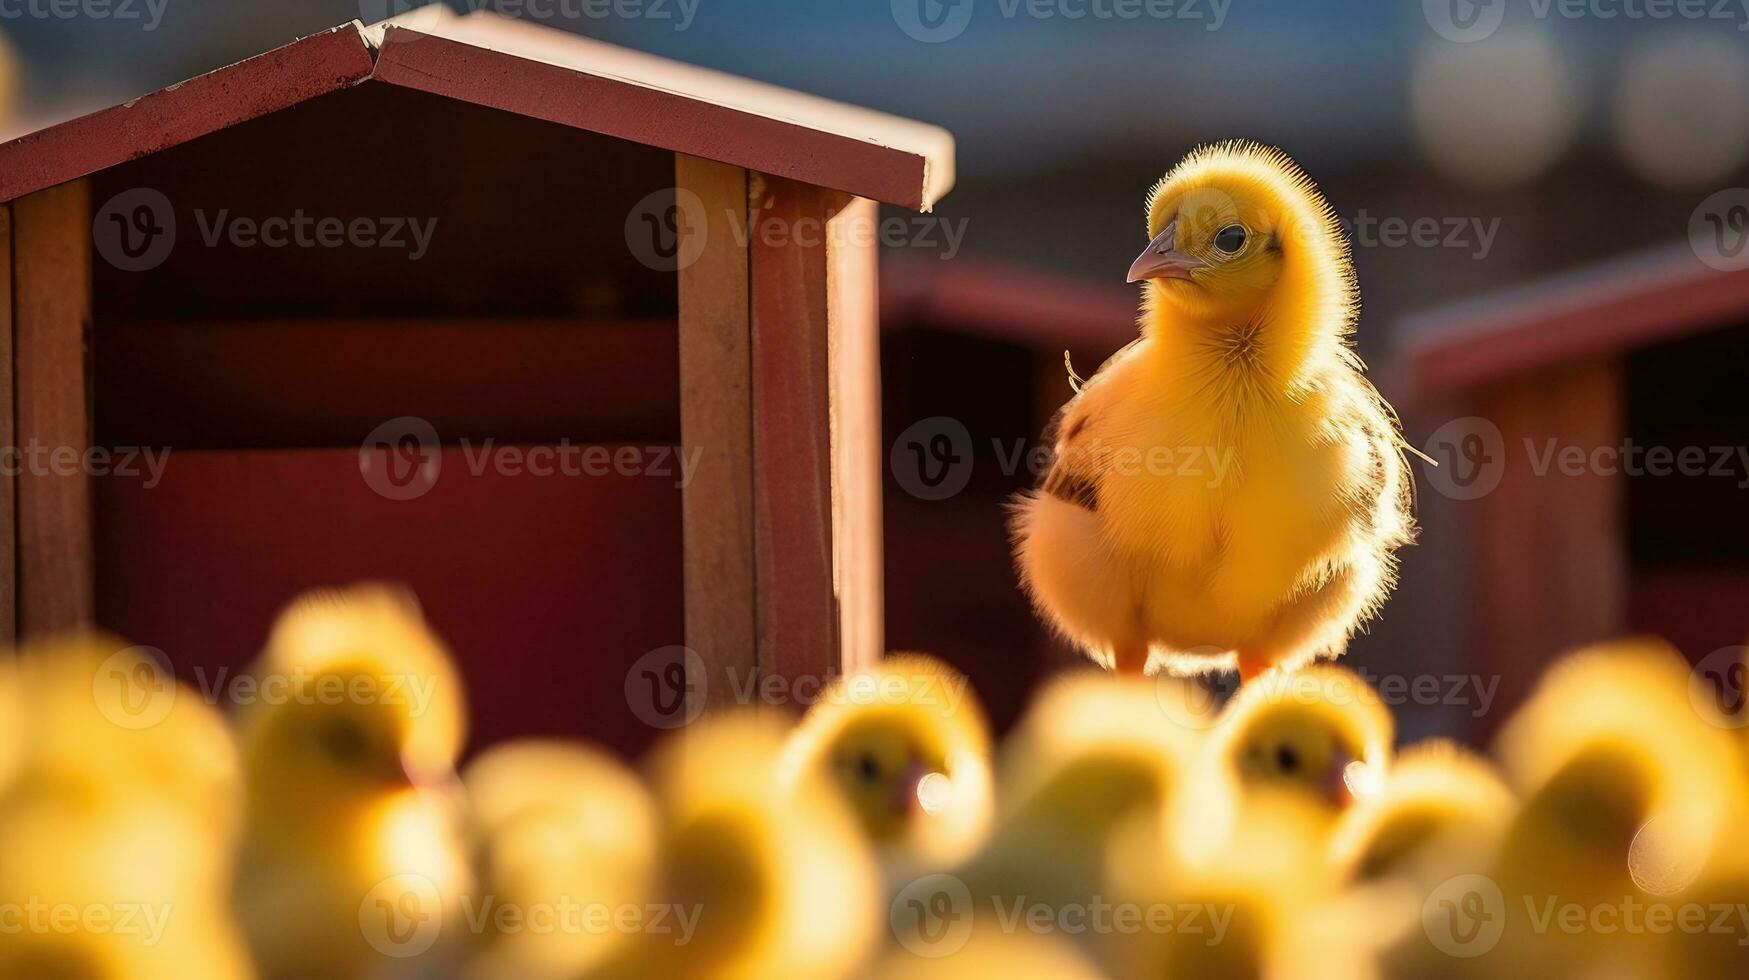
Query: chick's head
{"points": [[1321, 733], [333, 746], [905, 744], [1236, 226]]}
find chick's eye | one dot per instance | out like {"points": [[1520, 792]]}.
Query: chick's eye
{"points": [[1230, 239], [1287, 760], [343, 741], [867, 767]]}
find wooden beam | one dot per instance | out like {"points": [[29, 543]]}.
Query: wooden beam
{"points": [[716, 421], [792, 451], [52, 319], [854, 353], [8, 503]]}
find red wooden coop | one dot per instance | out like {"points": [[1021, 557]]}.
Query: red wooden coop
{"points": [[578, 342]]}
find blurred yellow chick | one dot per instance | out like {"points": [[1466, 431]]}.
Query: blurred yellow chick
{"points": [[1440, 806], [567, 840], [1093, 754], [906, 745], [759, 879], [1257, 907], [118, 819], [1229, 488], [352, 865], [1321, 733], [1629, 786]]}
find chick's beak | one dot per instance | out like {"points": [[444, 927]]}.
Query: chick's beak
{"points": [[1162, 260]]}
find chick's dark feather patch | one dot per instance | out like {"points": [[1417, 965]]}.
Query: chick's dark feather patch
{"points": [[1072, 489]]}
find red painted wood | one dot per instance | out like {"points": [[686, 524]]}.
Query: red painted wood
{"points": [[304, 69], [328, 382], [547, 588], [1682, 298], [652, 116]]}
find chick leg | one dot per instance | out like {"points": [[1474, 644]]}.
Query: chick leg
{"points": [[1129, 659]]}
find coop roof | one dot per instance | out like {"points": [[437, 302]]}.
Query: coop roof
{"points": [[495, 61], [1595, 311]]}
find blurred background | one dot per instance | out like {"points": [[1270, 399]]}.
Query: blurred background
{"points": [[1530, 189]]}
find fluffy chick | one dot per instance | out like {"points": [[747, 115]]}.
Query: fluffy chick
{"points": [[1628, 787], [1440, 805], [989, 951], [1321, 734], [1229, 488], [906, 745], [758, 879], [120, 807], [352, 861], [566, 839], [1092, 755], [1258, 906]]}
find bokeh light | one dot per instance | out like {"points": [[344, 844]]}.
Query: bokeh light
{"points": [[1681, 113], [1494, 113]]}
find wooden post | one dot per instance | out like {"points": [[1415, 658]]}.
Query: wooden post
{"points": [[716, 420], [780, 383], [51, 321], [792, 443], [853, 323], [8, 509], [1552, 568]]}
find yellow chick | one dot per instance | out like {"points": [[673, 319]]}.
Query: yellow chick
{"points": [[1229, 488], [567, 841], [1708, 937], [1629, 789], [758, 879], [1093, 754], [118, 819], [1257, 907], [906, 745], [1440, 806], [1321, 733], [352, 864]]}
